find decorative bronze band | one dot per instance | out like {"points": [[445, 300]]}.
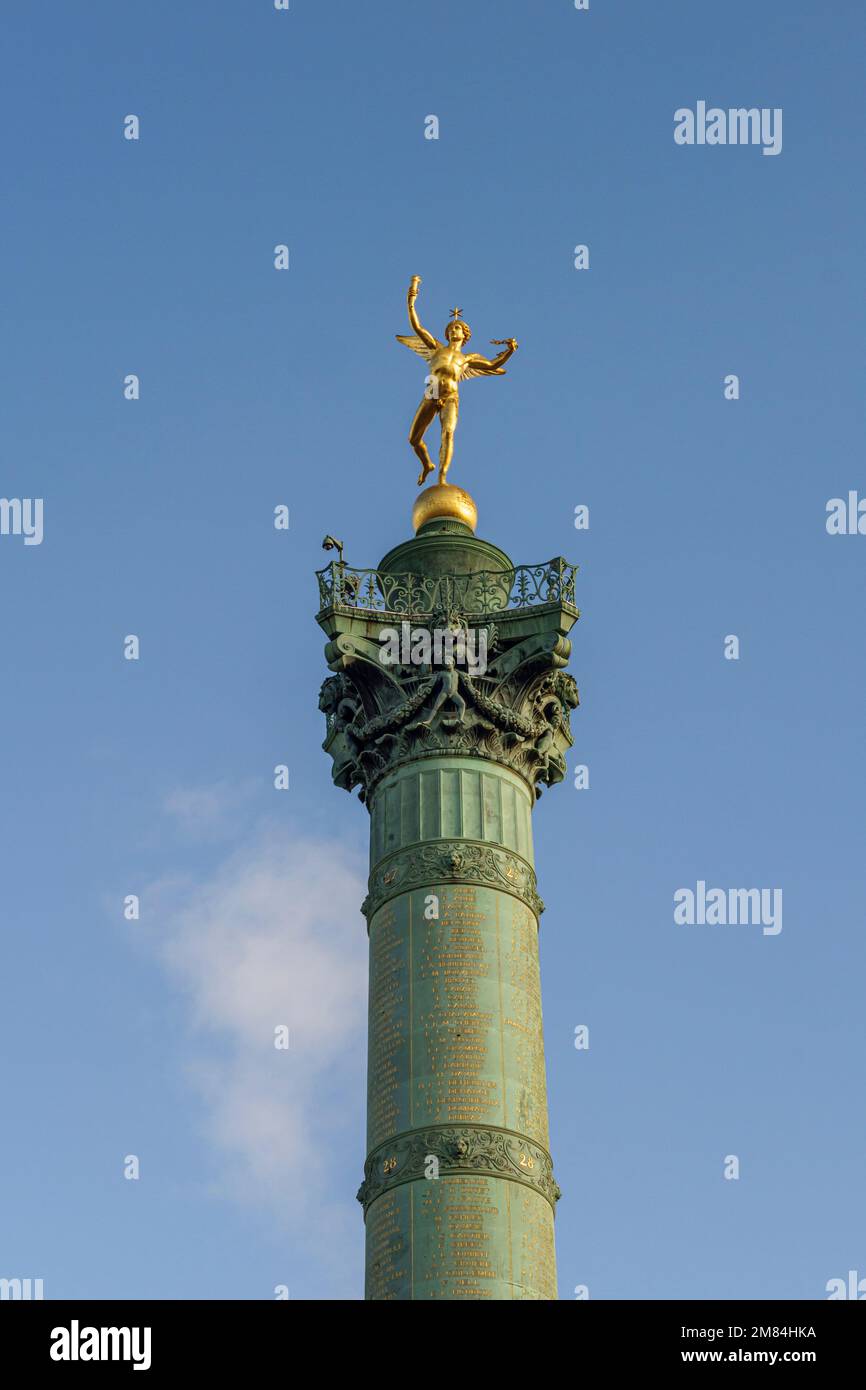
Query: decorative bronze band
{"points": [[451, 861], [443, 1151]]}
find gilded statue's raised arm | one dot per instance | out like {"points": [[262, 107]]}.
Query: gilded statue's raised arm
{"points": [[411, 296], [449, 365]]}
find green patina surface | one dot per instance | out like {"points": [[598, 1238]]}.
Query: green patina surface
{"points": [[458, 1189]]}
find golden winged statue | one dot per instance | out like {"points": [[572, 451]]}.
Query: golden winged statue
{"points": [[449, 365]]}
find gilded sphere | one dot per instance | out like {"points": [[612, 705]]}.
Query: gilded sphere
{"points": [[444, 500]]}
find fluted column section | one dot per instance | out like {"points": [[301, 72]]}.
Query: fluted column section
{"points": [[459, 1189]]}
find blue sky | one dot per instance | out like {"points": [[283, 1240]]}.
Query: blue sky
{"points": [[707, 518]]}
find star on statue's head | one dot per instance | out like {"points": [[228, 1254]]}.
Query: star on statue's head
{"points": [[453, 323]]}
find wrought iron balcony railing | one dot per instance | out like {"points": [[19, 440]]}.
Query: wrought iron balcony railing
{"points": [[489, 591]]}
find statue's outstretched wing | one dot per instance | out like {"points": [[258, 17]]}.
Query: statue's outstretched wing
{"points": [[418, 345], [476, 365]]}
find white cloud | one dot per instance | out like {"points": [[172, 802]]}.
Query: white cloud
{"points": [[211, 812], [274, 936]]}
